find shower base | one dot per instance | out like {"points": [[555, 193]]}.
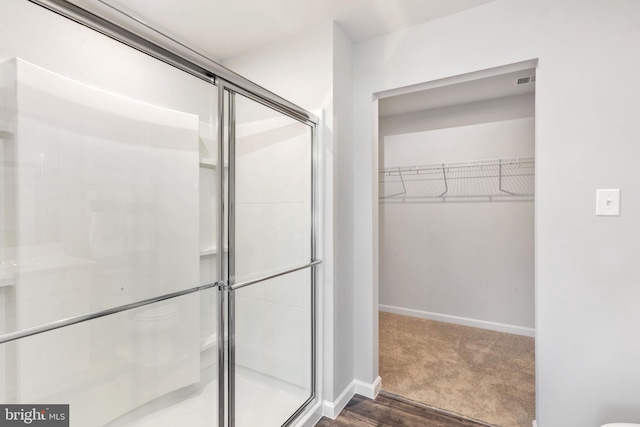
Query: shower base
{"points": [[268, 402]]}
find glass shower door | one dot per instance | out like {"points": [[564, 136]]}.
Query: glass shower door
{"points": [[271, 285], [145, 279], [101, 307]]}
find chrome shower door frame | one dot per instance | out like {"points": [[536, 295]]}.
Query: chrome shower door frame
{"points": [[229, 285]]}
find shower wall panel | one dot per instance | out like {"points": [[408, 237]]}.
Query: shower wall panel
{"points": [[100, 202], [112, 365], [101, 186], [273, 204]]}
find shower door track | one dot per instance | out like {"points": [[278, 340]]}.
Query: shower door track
{"points": [[134, 32]]}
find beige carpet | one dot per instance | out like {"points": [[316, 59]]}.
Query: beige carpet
{"points": [[481, 374]]}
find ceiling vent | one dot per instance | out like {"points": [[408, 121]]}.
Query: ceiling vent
{"points": [[525, 80]]}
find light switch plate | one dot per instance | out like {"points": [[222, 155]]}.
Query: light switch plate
{"points": [[608, 202]]}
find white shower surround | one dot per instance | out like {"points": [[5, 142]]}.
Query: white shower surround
{"points": [[104, 191]]}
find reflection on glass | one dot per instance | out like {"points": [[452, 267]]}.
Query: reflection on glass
{"points": [[272, 191], [272, 349], [100, 198], [144, 367]]}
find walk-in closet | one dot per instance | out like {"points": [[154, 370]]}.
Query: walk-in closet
{"points": [[456, 245]]}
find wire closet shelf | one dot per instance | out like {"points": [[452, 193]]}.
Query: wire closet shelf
{"points": [[508, 179]]}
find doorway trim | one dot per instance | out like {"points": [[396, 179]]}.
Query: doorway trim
{"points": [[446, 81]]}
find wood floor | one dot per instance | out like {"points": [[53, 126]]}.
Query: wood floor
{"points": [[388, 410]]}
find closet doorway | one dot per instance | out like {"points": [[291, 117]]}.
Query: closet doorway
{"points": [[456, 246]]}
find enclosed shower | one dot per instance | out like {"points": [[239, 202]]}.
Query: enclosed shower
{"points": [[157, 237]]}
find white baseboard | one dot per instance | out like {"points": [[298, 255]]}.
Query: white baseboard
{"points": [[483, 324], [370, 390], [534, 423], [333, 409]]}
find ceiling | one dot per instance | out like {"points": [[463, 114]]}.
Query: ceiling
{"points": [[225, 28], [483, 89]]}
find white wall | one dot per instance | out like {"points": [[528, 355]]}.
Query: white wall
{"points": [[485, 141], [468, 261], [314, 71], [487, 111], [342, 213], [586, 138], [301, 68]]}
